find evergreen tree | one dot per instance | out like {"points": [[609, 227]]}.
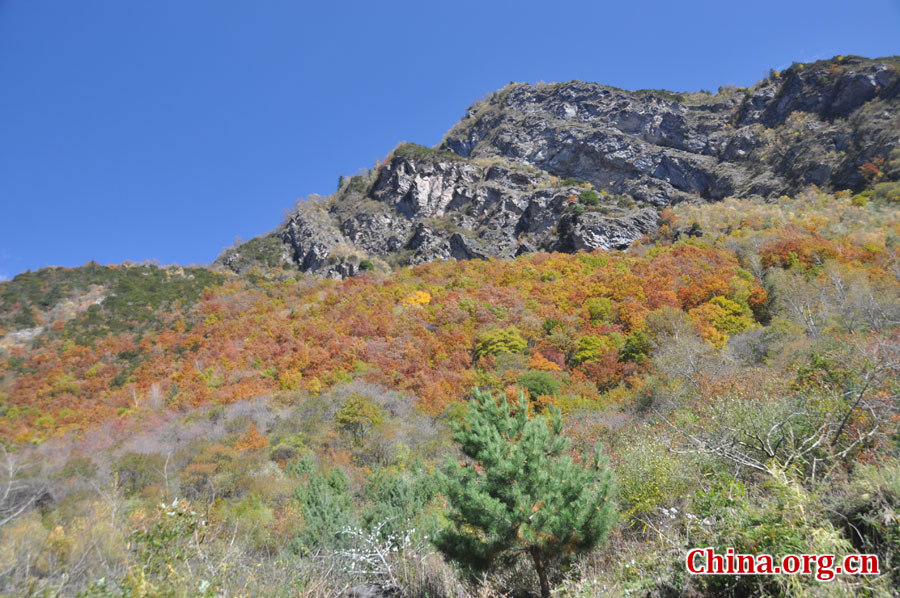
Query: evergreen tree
{"points": [[326, 506], [520, 493]]}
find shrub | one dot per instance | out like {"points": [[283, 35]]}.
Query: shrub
{"points": [[417, 299], [571, 182], [326, 506], [784, 521], [540, 383], [166, 540], [415, 151], [359, 415], [550, 324], [136, 471], [860, 200], [600, 309], [649, 478], [589, 197], [887, 191], [636, 348], [397, 500], [868, 513], [285, 451], [592, 348], [721, 317], [550, 275], [500, 340]]}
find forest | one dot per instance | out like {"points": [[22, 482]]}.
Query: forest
{"points": [[730, 382]]}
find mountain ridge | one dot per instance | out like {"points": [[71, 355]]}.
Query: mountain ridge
{"points": [[572, 166]]}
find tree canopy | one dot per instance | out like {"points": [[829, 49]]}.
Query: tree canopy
{"points": [[520, 492]]}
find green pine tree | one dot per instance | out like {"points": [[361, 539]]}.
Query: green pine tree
{"points": [[520, 493], [326, 505]]}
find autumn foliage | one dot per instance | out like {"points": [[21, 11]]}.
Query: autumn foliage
{"points": [[426, 330]]}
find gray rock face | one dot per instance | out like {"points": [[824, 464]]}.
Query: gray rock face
{"points": [[507, 177], [312, 235], [662, 148], [433, 207], [593, 231]]}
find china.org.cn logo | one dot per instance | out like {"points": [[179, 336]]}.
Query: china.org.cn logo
{"points": [[825, 567]]}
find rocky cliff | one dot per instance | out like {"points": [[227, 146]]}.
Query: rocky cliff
{"points": [[580, 166]]}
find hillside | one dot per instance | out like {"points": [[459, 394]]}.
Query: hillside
{"points": [[706, 288], [580, 166]]}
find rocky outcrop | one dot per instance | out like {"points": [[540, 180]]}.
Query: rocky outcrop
{"points": [[661, 148], [507, 178], [593, 231]]}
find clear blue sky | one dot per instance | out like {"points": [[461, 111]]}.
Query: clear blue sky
{"points": [[162, 130]]}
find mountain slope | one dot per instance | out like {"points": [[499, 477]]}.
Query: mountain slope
{"points": [[580, 166]]}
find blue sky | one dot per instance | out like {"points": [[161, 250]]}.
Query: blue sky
{"points": [[163, 130]]}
